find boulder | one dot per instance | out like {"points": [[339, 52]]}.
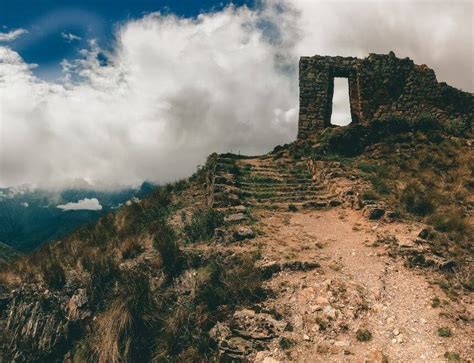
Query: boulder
{"points": [[244, 232]]}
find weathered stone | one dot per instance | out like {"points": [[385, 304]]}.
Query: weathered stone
{"points": [[246, 332], [380, 85], [234, 218], [375, 213], [244, 232], [343, 343], [77, 306], [424, 233]]}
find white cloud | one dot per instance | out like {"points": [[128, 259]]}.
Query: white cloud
{"points": [[173, 90], [12, 35], [70, 37], [83, 204]]}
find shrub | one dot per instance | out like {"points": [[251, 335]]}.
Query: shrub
{"points": [[103, 272], [165, 243], [450, 221], [363, 335], [286, 343], [435, 302], [123, 332], [369, 195], [348, 141], [202, 225], [367, 167], [179, 186], [426, 122], [53, 274], [234, 280], [131, 248], [379, 184], [379, 129], [416, 200], [444, 332], [292, 208], [452, 356]]}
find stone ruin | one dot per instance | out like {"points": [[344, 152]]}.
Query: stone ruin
{"points": [[380, 85]]}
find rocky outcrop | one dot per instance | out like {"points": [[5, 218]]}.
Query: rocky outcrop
{"points": [[42, 324], [245, 333]]}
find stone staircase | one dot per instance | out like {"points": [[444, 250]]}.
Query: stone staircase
{"points": [[264, 182]]}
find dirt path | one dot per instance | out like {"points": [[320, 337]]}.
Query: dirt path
{"points": [[358, 287]]}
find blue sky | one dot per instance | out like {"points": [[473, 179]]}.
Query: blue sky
{"points": [[57, 30]]}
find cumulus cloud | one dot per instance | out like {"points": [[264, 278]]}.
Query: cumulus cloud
{"points": [[173, 90], [12, 35], [70, 37], [83, 204]]}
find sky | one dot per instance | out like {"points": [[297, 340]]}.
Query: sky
{"points": [[118, 92]]}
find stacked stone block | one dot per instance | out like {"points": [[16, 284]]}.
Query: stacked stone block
{"points": [[380, 86]]}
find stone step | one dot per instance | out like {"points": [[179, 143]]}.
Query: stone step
{"points": [[245, 184], [277, 176], [269, 194], [285, 205], [264, 180], [282, 188], [290, 198]]}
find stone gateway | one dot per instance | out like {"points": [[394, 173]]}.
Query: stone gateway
{"points": [[380, 85]]}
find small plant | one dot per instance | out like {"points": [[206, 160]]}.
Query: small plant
{"points": [[292, 208], [451, 221], [131, 248], [416, 200], [53, 275], [231, 281], [286, 343], [445, 332], [363, 335], [435, 302], [165, 243], [370, 195], [452, 356], [202, 225]]}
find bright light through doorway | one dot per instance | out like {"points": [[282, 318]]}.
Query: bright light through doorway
{"points": [[341, 110]]}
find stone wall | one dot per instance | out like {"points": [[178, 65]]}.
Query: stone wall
{"points": [[380, 85]]}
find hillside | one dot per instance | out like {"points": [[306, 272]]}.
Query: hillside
{"points": [[30, 216], [7, 253], [354, 244]]}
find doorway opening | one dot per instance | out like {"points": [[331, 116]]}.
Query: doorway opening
{"points": [[341, 106]]}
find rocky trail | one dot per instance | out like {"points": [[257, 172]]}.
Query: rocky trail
{"points": [[341, 291]]}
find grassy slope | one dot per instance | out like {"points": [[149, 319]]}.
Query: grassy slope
{"points": [[421, 169], [155, 295], [7, 253], [153, 292]]}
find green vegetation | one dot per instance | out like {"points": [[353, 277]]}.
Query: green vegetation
{"points": [[286, 343], [292, 208], [202, 224], [158, 310], [444, 332], [363, 335], [452, 356], [435, 302], [422, 169]]}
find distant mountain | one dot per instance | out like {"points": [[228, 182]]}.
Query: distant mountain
{"points": [[31, 216]]}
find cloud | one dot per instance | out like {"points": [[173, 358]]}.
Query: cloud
{"points": [[70, 37], [12, 35], [83, 204], [173, 90]]}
